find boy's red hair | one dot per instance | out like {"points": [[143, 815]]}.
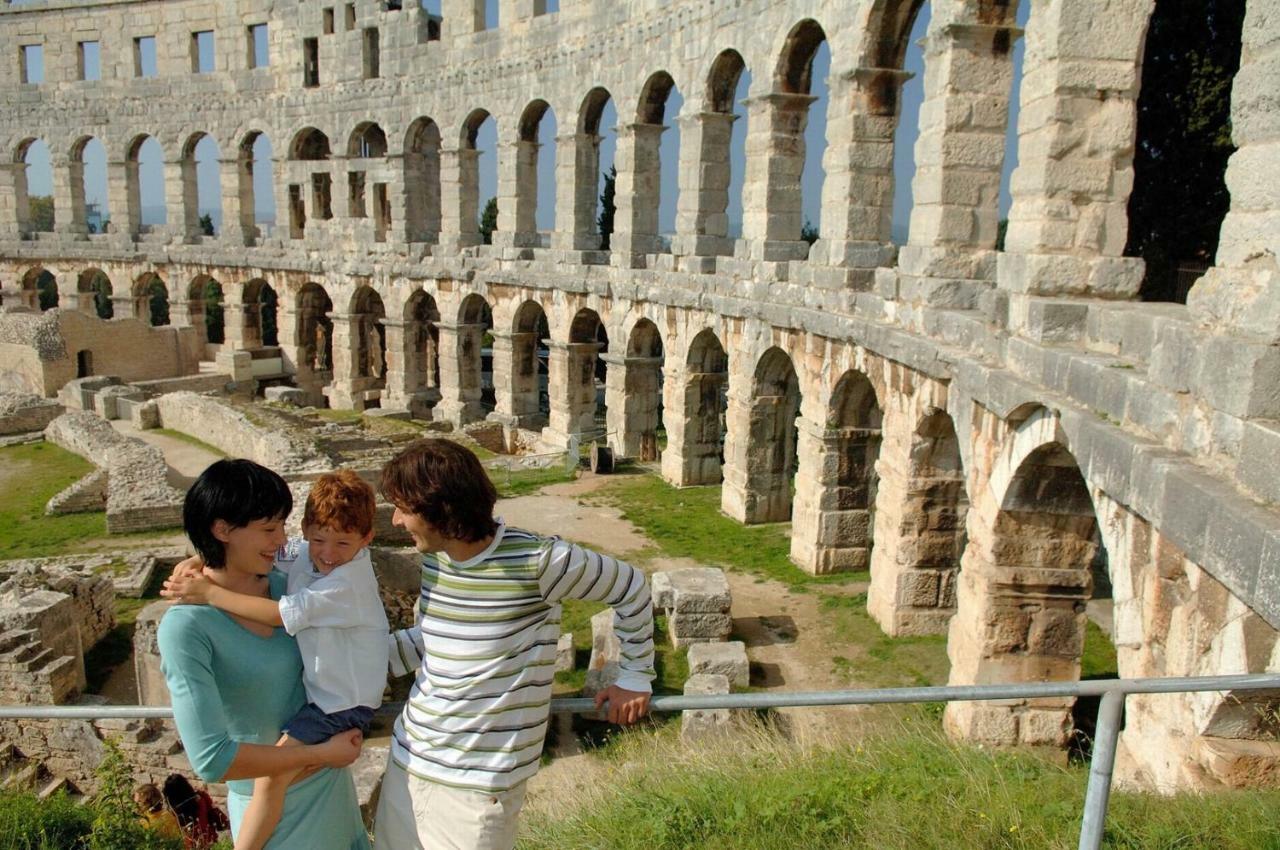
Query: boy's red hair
{"points": [[340, 501]]}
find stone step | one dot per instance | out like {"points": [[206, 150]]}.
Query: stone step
{"points": [[15, 638], [56, 784]]}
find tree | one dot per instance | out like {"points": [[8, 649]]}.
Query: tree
{"points": [[489, 221], [809, 232], [159, 303], [1184, 139], [604, 222], [40, 212], [206, 224], [214, 321], [102, 296], [47, 287]]}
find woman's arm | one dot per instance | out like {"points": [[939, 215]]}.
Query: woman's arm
{"points": [[193, 588], [254, 760]]}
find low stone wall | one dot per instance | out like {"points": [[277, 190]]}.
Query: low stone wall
{"points": [[87, 495], [40, 630], [228, 429], [22, 413], [138, 496]]}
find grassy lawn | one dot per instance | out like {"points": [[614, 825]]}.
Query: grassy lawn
{"points": [[670, 664], [523, 482], [187, 438], [30, 475], [868, 656], [908, 790]]}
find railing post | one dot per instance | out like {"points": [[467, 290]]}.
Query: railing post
{"points": [[1101, 768]]}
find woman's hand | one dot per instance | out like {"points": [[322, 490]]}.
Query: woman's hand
{"points": [[340, 750], [188, 583]]}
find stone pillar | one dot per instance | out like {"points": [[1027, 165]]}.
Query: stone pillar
{"points": [[831, 515], [124, 197], [857, 196], [702, 220], [950, 256], [460, 376], [577, 189], [572, 388], [68, 198], [182, 213], [461, 18], [402, 375], [459, 193], [342, 391], [236, 179], [294, 338], [515, 380], [691, 414], [518, 195], [420, 220], [125, 306], [639, 177], [772, 205], [632, 400], [14, 216], [1077, 126]]}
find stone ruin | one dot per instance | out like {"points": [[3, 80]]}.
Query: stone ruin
{"points": [[990, 432]]}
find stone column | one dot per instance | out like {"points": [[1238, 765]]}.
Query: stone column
{"points": [[342, 392], [572, 388], [124, 198], [632, 405], [182, 213], [293, 344], [518, 195], [1077, 126], [702, 220], [831, 515], [15, 216], [68, 198], [125, 306], [515, 380], [691, 414], [402, 375], [420, 218], [857, 196], [772, 206], [460, 376], [236, 179], [577, 182], [735, 497], [950, 256], [636, 214], [459, 191]]}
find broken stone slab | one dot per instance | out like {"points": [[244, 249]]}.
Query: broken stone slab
{"points": [[692, 589], [691, 628], [728, 659], [606, 655], [565, 655], [286, 395], [704, 722]]}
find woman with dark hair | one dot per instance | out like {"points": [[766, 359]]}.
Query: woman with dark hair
{"points": [[234, 683], [201, 820]]}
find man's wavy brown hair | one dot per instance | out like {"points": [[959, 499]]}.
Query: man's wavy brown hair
{"points": [[443, 483]]}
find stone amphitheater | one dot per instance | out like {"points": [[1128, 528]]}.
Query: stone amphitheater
{"points": [[999, 436]]}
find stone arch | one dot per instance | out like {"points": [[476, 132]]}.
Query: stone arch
{"points": [[40, 288], [522, 392], [309, 145], [920, 530], [313, 331], [310, 186], [834, 518], [469, 199], [696, 425], [421, 352], [1026, 575], [253, 156], [200, 153], [367, 141], [89, 147], [634, 394], [466, 373], [29, 221], [769, 465], [94, 291], [530, 179], [143, 180], [793, 73], [575, 370], [151, 299], [644, 195], [206, 312], [421, 164], [588, 179], [259, 301], [369, 345]]}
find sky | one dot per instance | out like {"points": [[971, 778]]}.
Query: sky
{"points": [[209, 185]]}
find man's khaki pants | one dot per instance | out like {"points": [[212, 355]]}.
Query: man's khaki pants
{"points": [[415, 814]]}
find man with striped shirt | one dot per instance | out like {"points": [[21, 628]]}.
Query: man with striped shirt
{"points": [[483, 653]]}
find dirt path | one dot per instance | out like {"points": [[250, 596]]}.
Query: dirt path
{"points": [[185, 460]]}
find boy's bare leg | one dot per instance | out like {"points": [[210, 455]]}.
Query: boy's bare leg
{"points": [[266, 806]]}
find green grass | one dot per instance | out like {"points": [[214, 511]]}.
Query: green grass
{"points": [[909, 791], [671, 665], [61, 823], [688, 523], [868, 656], [1098, 660], [187, 438], [526, 481], [33, 474]]}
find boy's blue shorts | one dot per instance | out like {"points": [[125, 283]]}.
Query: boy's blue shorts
{"points": [[312, 726]]}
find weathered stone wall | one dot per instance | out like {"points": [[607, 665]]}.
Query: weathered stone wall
{"points": [[224, 427], [22, 413]]}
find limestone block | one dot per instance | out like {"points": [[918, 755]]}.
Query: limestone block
{"points": [[606, 654], [728, 659], [565, 653], [698, 627], [1259, 467], [145, 416], [287, 395], [661, 591], [1240, 377], [152, 689], [699, 589], [704, 722], [1044, 727]]}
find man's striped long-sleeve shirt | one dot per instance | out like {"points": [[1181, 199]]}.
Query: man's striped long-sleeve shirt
{"points": [[483, 647]]}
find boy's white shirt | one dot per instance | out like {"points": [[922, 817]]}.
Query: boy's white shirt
{"points": [[340, 625]]}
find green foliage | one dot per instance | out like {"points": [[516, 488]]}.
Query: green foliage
{"points": [[206, 224], [1002, 229], [101, 287], [1184, 139], [194, 441], [910, 791], [29, 823], [1098, 661], [489, 221], [159, 303], [214, 321], [33, 474], [608, 207], [511, 483], [40, 212], [809, 232], [870, 657], [270, 302], [47, 287]]}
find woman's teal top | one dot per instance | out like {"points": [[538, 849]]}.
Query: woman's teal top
{"points": [[228, 686]]}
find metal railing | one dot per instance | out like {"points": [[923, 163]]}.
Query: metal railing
{"points": [[1101, 768]]}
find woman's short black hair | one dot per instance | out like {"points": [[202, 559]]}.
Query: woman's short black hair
{"points": [[237, 492]]}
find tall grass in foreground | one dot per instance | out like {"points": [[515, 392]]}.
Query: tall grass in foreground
{"points": [[910, 791]]}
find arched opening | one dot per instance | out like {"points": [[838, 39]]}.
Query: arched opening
{"points": [[713, 211], [259, 303], [478, 176], [530, 402], [637, 431], [585, 376], [202, 186], [367, 313], [44, 285], [594, 175], [422, 181], [770, 461], [209, 293], [310, 186], [151, 299], [838, 507], [94, 290], [33, 194], [797, 119], [473, 395], [1031, 573], [902, 27], [696, 453], [146, 183], [367, 195], [422, 348], [256, 190], [315, 330], [535, 201], [656, 152], [88, 166]]}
